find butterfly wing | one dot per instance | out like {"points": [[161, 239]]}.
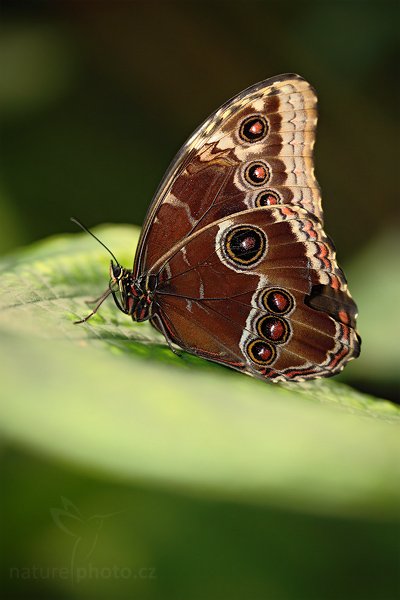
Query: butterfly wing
{"points": [[256, 150], [261, 292]]}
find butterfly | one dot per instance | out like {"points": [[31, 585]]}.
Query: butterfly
{"points": [[233, 264]]}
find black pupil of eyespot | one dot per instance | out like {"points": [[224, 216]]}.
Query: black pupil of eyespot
{"points": [[257, 173], [262, 351], [245, 244], [254, 129], [278, 302], [273, 328], [268, 199]]}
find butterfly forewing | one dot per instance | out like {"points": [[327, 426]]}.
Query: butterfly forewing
{"points": [[256, 150]]}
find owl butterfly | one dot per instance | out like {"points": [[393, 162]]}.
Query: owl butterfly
{"points": [[233, 263]]}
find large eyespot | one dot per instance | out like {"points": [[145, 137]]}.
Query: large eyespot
{"points": [[274, 329], [253, 129], [277, 301], [244, 245], [257, 173], [268, 198], [261, 352]]}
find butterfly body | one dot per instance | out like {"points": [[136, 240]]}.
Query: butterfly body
{"points": [[233, 263], [135, 295]]}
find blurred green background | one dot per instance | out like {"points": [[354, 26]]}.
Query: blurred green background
{"points": [[95, 99]]}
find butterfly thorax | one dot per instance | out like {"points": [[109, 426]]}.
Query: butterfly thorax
{"points": [[133, 296]]}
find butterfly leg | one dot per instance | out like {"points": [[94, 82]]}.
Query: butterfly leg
{"points": [[100, 301]]}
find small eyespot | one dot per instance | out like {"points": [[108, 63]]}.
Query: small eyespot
{"points": [[268, 198], [253, 129], [244, 245], [261, 352], [277, 301], [257, 173], [274, 329]]}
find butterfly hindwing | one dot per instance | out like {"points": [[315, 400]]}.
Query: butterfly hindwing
{"points": [[261, 292]]}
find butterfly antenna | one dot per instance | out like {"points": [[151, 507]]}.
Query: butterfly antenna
{"points": [[95, 237]]}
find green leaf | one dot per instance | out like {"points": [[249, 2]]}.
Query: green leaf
{"points": [[377, 291], [110, 395]]}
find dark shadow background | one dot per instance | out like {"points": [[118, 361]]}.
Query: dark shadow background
{"points": [[96, 98]]}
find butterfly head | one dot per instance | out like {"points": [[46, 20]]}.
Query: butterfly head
{"points": [[133, 296], [116, 272]]}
